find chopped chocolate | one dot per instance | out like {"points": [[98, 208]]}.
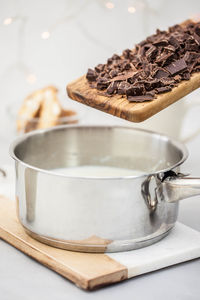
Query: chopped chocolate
{"points": [[112, 87], [163, 89], [196, 38], [135, 90], [113, 73], [174, 42], [170, 48], [162, 59], [91, 75], [197, 29], [185, 76], [154, 66], [151, 93], [177, 66], [167, 81], [140, 98], [99, 68], [161, 42], [151, 53], [122, 87], [150, 85], [177, 78], [102, 84], [160, 73], [123, 76]]}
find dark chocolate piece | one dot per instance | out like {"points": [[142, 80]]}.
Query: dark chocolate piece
{"points": [[123, 76], [163, 89], [135, 90], [122, 87], [99, 68], [174, 42], [160, 73], [161, 42], [196, 38], [197, 29], [151, 53], [185, 76], [176, 66], [140, 98], [112, 87], [102, 84], [91, 75]]}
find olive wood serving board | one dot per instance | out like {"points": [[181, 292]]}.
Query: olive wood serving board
{"points": [[119, 106], [91, 271]]}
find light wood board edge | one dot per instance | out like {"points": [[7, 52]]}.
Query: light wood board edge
{"points": [[119, 106], [75, 267]]}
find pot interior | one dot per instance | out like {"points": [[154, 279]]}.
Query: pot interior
{"points": [[120, 147]]}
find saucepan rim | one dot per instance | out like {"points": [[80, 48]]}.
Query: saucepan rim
{"points": [[22, 138]]}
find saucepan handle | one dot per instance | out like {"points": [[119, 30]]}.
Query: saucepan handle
{"points": [[176, 188]]}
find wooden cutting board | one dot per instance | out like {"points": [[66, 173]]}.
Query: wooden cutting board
{"points": [[119, 106], [91, 271]]}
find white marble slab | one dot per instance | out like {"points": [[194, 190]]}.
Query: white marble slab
{"points": [[182, 244]]}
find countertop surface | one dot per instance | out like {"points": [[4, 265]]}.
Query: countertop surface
{"points": [[23, 278]]}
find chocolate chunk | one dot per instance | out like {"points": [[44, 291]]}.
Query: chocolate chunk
{"points": [[174, 42], [162, 59], [112, 87], [150, 85], [176, 67], [140, 98], [163, 89], [161, 42], [123, 76], [99, 68], [161, 73], [135, 90], [91, 75], [127, 53], [196, 38], [113, 73], [167, 81], [102, 84], [177, 78], [197, 29], [122, 87], [151, 93], [115, 57], [151, 52], [191, 46], [109, 61], [170, 48], [185, 76]]}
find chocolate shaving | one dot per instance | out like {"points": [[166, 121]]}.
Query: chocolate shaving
{"points": [[123, 76], [140, 98], [112, 87], [163, 89]]}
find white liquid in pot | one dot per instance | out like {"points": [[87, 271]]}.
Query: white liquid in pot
{"points": [[97, 171]]}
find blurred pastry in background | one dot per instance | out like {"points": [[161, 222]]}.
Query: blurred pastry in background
{"points": [[42, 109]]}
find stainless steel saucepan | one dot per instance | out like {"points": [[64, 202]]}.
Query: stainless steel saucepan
{"points": [[103, 214]]}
